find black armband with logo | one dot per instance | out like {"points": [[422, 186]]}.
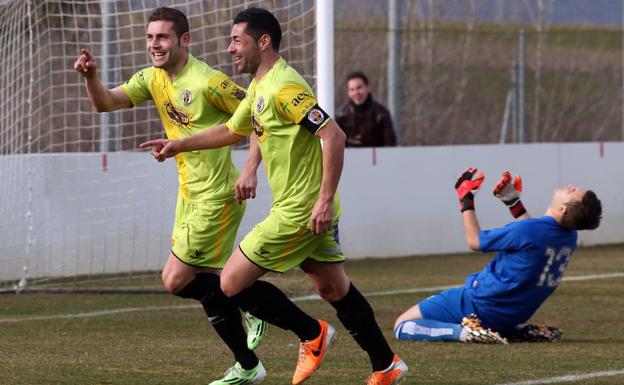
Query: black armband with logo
{"points": [[314, 119]]}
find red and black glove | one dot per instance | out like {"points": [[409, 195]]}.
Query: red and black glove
{"points": [[508, 190], [467, 186]]}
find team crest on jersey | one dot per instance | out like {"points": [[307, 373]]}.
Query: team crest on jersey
{"points": [[178, 116], [260, 104], [316, 116], [261, 134], [239, 94], [187, 97]]}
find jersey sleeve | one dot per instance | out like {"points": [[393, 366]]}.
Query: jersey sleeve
{"points": [[137, 88], [506, 238], [240, 122], [298, 105], [223, 93]]}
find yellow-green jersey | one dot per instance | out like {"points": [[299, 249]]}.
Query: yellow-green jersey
{"points": [[199, 98], [283, 112]]}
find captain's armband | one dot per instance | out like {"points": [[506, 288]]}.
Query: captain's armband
{"points": [[315, 119]]}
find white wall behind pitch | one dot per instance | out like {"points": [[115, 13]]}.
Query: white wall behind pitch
{"points": [[86, 220]]}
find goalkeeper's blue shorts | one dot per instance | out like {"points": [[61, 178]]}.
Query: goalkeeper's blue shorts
{"points": [[450, 306]]}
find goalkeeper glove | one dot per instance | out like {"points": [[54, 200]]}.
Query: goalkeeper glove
{"points": [[508, 190], [467, 188]]}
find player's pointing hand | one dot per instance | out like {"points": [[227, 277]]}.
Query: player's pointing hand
{"points": [[162, 148], [85, 64]]}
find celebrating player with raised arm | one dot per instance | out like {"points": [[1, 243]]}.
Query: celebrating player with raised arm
{"points": [[302, 226], [532, 255], [192, 97]]}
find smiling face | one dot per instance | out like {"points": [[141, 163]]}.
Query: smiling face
{"points": [[163, 45], [357, 90], [244, 50]]}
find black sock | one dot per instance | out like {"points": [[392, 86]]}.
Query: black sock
{"points": [[203, 285], [358, 318], [269, 303], [226, 320], [223, 315], [263, 300]]}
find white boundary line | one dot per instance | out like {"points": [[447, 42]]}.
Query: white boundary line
{"points": [[440, 288], [569, 378], [313, 297]]}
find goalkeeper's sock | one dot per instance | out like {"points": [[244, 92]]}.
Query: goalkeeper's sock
{"points": [[223, 315], [358, 318], [428, 330]]}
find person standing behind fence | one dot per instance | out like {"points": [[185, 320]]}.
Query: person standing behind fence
{"points": [[190, 97], [365, 121]]}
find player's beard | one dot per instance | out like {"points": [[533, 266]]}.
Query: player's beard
{"points": [[171, 58], [249, 63]]}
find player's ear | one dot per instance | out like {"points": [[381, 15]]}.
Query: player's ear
{"points": [[185, 40], [264, 42]]}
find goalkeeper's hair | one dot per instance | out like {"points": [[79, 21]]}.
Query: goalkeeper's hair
{"points": [[357, 75], [178, 18], [260, 22], [584, 214]]}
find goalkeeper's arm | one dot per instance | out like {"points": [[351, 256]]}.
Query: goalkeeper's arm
{"points": [[467, 186], [508, 190]]}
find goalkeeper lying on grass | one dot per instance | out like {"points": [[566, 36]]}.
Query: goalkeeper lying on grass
{"points": [[532, 255]]}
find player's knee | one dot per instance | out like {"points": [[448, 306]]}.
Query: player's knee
{"points": [[331, 293], [171, 284], [228, 287], [172, 288]]}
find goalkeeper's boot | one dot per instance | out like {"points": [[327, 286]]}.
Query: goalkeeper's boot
{"points": [[239, 376], [312, 353], [391, 375], [475, 332], [256, 330], [535, 333]]}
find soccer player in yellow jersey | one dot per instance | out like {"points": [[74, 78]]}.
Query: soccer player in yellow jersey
{"points": [[191, 97], [302, 226]]}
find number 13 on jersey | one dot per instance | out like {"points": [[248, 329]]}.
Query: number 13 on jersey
{"points": [[555, 266]]}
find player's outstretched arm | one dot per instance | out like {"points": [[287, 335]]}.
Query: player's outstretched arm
{"points": [[215, 137], [333, 158], [467, 186], [508, 190], [102, 99], [471, 229], [248, 181]]}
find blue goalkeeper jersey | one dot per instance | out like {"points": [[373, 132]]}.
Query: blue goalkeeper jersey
{"points": [[532, 256]]}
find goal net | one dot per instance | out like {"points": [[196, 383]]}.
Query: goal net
{"points": [[81, 207]]}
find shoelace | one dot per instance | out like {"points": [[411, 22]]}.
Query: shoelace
{"points": [[232, 369], [303, 348], [474, 323]]}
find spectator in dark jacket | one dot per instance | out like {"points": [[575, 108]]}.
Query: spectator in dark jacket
{"points": [[366, 122]]}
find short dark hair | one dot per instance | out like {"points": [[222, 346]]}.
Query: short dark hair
{"points": [[178, 18], [260, 22], [357, 75], [584, 214]]}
